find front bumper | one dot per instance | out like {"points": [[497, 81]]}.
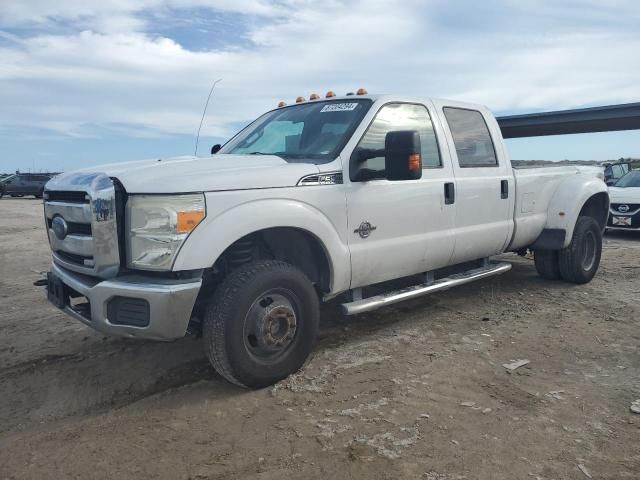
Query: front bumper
{"points": [[170, 302]]}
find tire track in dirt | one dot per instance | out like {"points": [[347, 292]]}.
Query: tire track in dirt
{"points": [[53, 387]]}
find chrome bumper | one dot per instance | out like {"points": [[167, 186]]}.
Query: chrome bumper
{"points": [[170, 303]]}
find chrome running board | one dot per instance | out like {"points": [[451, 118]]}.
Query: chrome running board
{"points": [[414, 291]]}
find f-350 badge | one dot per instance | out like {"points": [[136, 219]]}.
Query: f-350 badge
{"points": [[365, 229]]}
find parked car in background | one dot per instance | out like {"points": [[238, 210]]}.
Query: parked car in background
{"points": [[625, 202], [615, 171], [22, 184]]}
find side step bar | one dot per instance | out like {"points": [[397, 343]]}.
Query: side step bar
{"points": [[389, 298]]}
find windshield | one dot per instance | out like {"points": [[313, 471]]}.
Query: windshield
{"points": [[631, 179], [313, 131]]}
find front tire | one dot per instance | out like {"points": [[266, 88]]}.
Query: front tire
{"points": [[261, 323], [580, 260]]}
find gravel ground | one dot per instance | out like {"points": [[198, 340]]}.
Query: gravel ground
{"points": [[417, 390]]}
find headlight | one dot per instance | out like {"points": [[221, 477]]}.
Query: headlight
{"points": [[158, 225]]}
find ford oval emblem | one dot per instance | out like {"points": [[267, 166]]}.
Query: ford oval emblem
{"points": [[59, 227], [623, 208]]}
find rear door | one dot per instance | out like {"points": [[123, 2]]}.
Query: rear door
{"points": [[398, 228], [38, 184], [30, 184], [485, 187]]}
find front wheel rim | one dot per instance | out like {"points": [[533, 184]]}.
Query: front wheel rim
{"points": [[589, 251], [271, 325]]}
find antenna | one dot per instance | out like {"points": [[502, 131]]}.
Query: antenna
{"points": [[195, 153]]}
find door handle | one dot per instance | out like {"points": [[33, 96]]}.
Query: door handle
{"points": [[504, 189], [449, 193]]}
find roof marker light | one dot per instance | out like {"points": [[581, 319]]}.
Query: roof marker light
{"points": [[330, 94], [314, 96], [361, 91], [300, 100], [282, 104]]}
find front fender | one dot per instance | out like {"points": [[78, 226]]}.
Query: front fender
{"points": [[567, 202], [218, 231]]}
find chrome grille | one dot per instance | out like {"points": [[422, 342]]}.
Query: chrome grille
{"points": [[80, 214]]}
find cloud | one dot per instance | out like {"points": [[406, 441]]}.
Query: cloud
{"points": [[80, 68], [118, 15]]}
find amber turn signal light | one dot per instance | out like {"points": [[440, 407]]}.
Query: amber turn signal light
{"points": [[414, 162], [189, 220]]}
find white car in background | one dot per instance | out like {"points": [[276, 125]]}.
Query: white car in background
{"points": [[625, 202]]}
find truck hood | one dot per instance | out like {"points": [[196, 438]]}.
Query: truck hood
{"points": [[205, 174], [624, 195]]}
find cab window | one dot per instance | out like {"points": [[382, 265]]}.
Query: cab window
{"points": [[394, 117], [471, 138]]}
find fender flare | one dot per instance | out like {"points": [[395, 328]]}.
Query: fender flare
{"points": [[214, 235], [565, 206]]}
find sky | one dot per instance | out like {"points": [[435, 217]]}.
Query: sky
{"points": [[85, 82]]}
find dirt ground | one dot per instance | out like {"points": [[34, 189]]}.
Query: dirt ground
{"points": [[416, 390]]}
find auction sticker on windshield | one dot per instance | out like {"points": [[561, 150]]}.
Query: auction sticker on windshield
{"points": [[339, 107]]}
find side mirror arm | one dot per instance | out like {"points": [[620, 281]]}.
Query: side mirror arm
{"points": [[364, 154]]}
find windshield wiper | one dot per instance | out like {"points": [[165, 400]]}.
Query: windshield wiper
{"points": [[285, 155], [275, 154]]}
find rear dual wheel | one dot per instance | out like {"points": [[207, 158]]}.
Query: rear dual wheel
{"points": [[261, 324], [579, 262]]}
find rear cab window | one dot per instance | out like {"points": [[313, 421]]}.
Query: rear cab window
{"points": [[471, 137]]}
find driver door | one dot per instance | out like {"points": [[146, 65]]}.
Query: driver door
{"points": [[398, 228], [14, 185]]}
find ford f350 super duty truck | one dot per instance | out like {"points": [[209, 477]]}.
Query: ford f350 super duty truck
{"points": [[341, 195]]}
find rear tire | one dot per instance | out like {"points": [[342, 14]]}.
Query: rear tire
{"points": [[547, 264], [580, 260], [261, 323]]}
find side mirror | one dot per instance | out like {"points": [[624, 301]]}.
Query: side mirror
{"points": [[611, 182], [402, 155], [215, 149]]}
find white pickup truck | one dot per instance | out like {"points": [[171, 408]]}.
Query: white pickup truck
{"points": [[320, 198]]}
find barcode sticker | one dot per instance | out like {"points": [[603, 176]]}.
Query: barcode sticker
{"points": [[339, 107]]}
